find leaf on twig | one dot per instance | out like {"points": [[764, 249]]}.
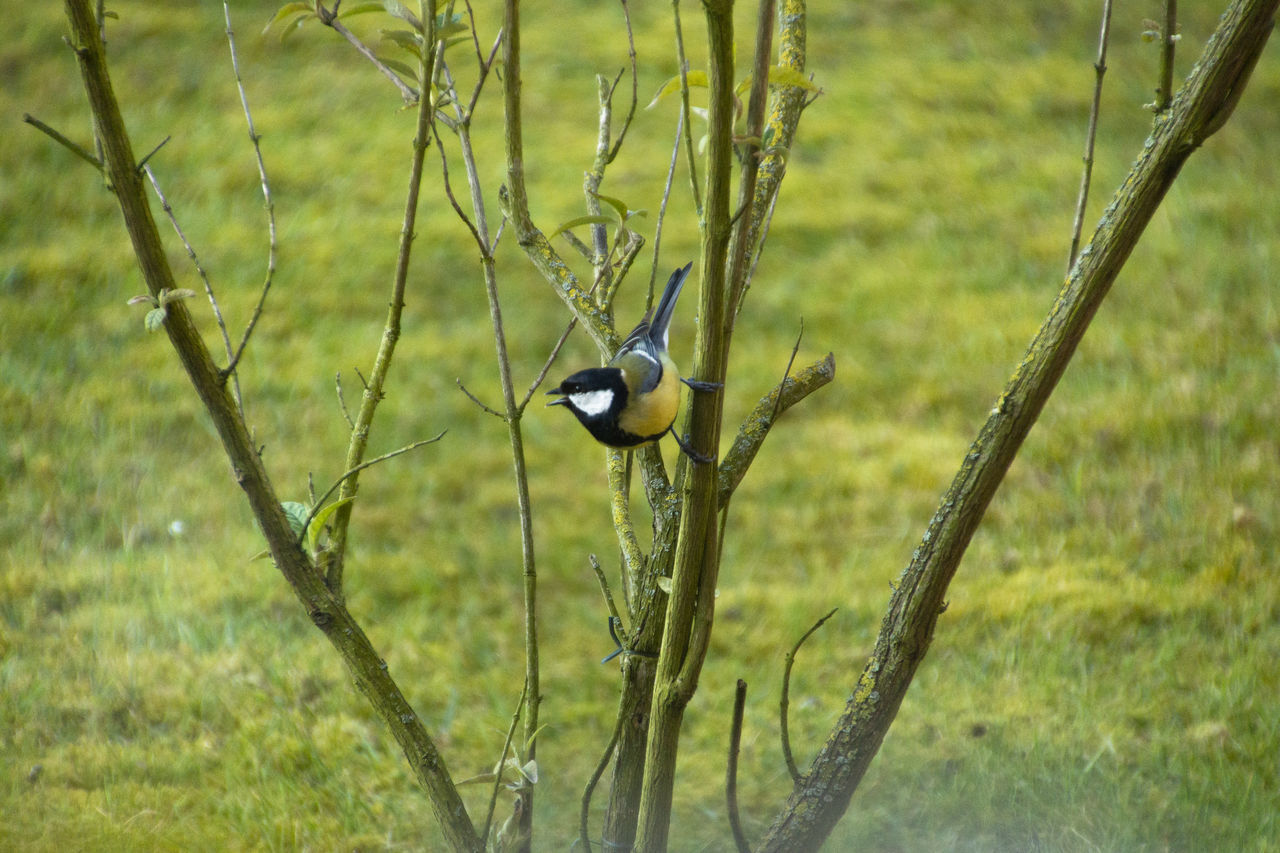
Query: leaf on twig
{"points": [[594, 219], [154, 321], [406, 39], [695, 79], [290, 17], [297, 514], [321, 518], [781, 75]]}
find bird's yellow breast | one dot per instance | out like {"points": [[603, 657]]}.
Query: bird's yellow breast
{"points": [[650, 415]]}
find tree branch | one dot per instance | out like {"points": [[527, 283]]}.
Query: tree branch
{"points": [[335, 558], [325, 610], [755, 427], [907, 630]]}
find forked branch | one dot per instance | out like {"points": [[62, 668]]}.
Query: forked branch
{"points": [[907, 630]]}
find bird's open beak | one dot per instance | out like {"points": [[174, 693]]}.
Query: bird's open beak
{"points": [[561, 401]]}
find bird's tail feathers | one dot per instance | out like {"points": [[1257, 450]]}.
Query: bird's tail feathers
{"points": [[667, 305]]}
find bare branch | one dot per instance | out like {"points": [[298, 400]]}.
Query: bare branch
{"points": [[606, 592], [204, 277], [731, 770], [546, 366], [66, 143], [908, 627], [473, 398], [329, 18], [266, 198], [755, 427], [502, 760], [1168, 44], [373, 392], [785, 702], [1100, 67], [368, 463]]}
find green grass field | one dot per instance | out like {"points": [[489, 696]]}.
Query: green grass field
{"points": [[1105, 677]]}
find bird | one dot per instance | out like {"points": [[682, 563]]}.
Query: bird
{"points": [[632, 401]]}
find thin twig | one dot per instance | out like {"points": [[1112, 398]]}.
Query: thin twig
{"points": [[330, 19], [375, 385], [786, 696], [66, 143], [546, 366], [342, 401], [1164, 95], [686, 112], [473, 398], [319, 505], [605, 591], [142, 164], [731, 770], [266, 197], [584, 834], [662, 207], [786, 373], [204, 277], [756, 426], [635, 90], [502, 761], [1100, 67], [744, 232], [485, 65]]}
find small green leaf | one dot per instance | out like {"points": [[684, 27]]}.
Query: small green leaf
{"points": [[696, 79], [479, 779], [167, 296], [664, 584], [154, 320], [295, 12], [406, 39], [616, 203], [146, 297], [780, 75], [321, 518], [297, 514], [361, 9], [597, 219], [402, 68]]}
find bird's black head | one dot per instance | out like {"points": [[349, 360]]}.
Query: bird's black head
{"points": [[596, 396]]}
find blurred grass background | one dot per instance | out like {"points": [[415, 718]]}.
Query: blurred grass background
{"points": [[1105, 676]]}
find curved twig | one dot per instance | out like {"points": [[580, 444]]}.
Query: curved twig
{"points": [[785, 702]]}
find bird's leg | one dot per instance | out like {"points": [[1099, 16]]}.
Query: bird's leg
{"points": [[699, 385], [699, 458]]}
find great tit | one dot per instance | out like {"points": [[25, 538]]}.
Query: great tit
{"points": [[632, 401]]}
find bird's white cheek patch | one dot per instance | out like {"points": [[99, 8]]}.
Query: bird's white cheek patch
{"points": [[592, 403]]}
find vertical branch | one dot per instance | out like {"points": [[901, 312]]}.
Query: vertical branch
{"points": [[686, 113], [731, 768], [690, 609], [335, 557], [751, 151], [1168, 42], [777, 134], [1100, 67]]}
